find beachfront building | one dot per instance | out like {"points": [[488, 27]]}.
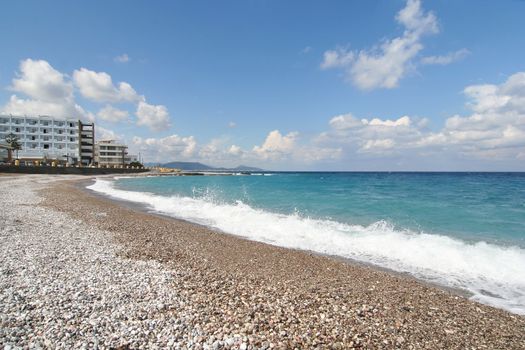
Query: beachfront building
{"points": [[111, 153], [46, 138]]}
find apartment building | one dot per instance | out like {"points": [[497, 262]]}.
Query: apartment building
{"points": [[111, 153], [51, 138]]}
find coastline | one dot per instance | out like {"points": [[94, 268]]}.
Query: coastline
{"points": [[237, 293], [141, 207]]}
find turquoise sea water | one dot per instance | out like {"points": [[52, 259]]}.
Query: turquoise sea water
{"points": [[463, 230]]}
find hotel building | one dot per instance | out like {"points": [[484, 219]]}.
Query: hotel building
{"points": [[50, 138], [111, 153]]}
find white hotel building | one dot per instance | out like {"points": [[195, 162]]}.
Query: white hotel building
{"points": [[51, 138], [112, 153]]}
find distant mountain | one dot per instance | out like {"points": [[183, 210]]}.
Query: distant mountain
{"points": [[196, 166]]}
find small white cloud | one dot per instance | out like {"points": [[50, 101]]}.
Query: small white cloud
{"points": [[235, 150], [276, 146], [375, 145], [338, 58], [98, 87], [106, 134], [446, 59], [232, 125], [112, 114], [345, 121], [124, 58], [155, 117], [306, 49]]}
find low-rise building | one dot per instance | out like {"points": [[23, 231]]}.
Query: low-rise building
{"points": [[112, 153]]}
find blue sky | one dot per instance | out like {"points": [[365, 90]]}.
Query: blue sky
{"points": [[305, 85]]}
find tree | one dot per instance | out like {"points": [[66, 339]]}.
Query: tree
{"points": [[137, 164], [12, 140]]}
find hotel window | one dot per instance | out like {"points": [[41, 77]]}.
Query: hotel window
{"points": [[45, 131], [17, 129], [60, 131], [46, 146], [33, 138], [33, 145], [71, 139], [71, 125]]}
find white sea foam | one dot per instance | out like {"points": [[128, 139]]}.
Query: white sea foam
{"points": [[495, 275]]}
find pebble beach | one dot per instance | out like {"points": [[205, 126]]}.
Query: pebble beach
{"points": [[81, 271]]}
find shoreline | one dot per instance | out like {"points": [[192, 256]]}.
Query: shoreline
{"points": [[141, 207], [176, 284]]}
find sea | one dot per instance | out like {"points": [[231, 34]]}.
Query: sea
{"points": [[463, 231]]}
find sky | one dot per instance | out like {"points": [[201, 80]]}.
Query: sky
{"points": [[379, 85]]}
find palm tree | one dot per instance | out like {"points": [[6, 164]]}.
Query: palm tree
{"points": [[12, 140]]}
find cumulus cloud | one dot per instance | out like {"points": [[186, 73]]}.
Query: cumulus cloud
{"points": [[276, 145], [155, 117], [99, 87], [62, 109], [48, 92], [383, 66], [372, 135], [235, 150], [124, 58], [166, 148], [38, 80], [112, 114], [446, 59], [495, 129], [106, 134], [279, 148]]}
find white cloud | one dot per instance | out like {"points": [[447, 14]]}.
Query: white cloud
{"points": [[385, 65], [232, 125], [38, 80], [124, 58], [494, 130], [276, 146], [375, 145], [112, 114], [446, 59], [106, 134], [63, 109], [345, 121], [235, 150], [155, 117], [372, 135], [348, 121], [173, 147], [338, 58], [98, 87], [49, 92]]}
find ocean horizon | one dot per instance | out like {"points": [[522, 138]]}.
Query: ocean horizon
{"points": [[462, 230]]}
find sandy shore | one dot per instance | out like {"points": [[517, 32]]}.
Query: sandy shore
{"points": [[81, 271]]}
